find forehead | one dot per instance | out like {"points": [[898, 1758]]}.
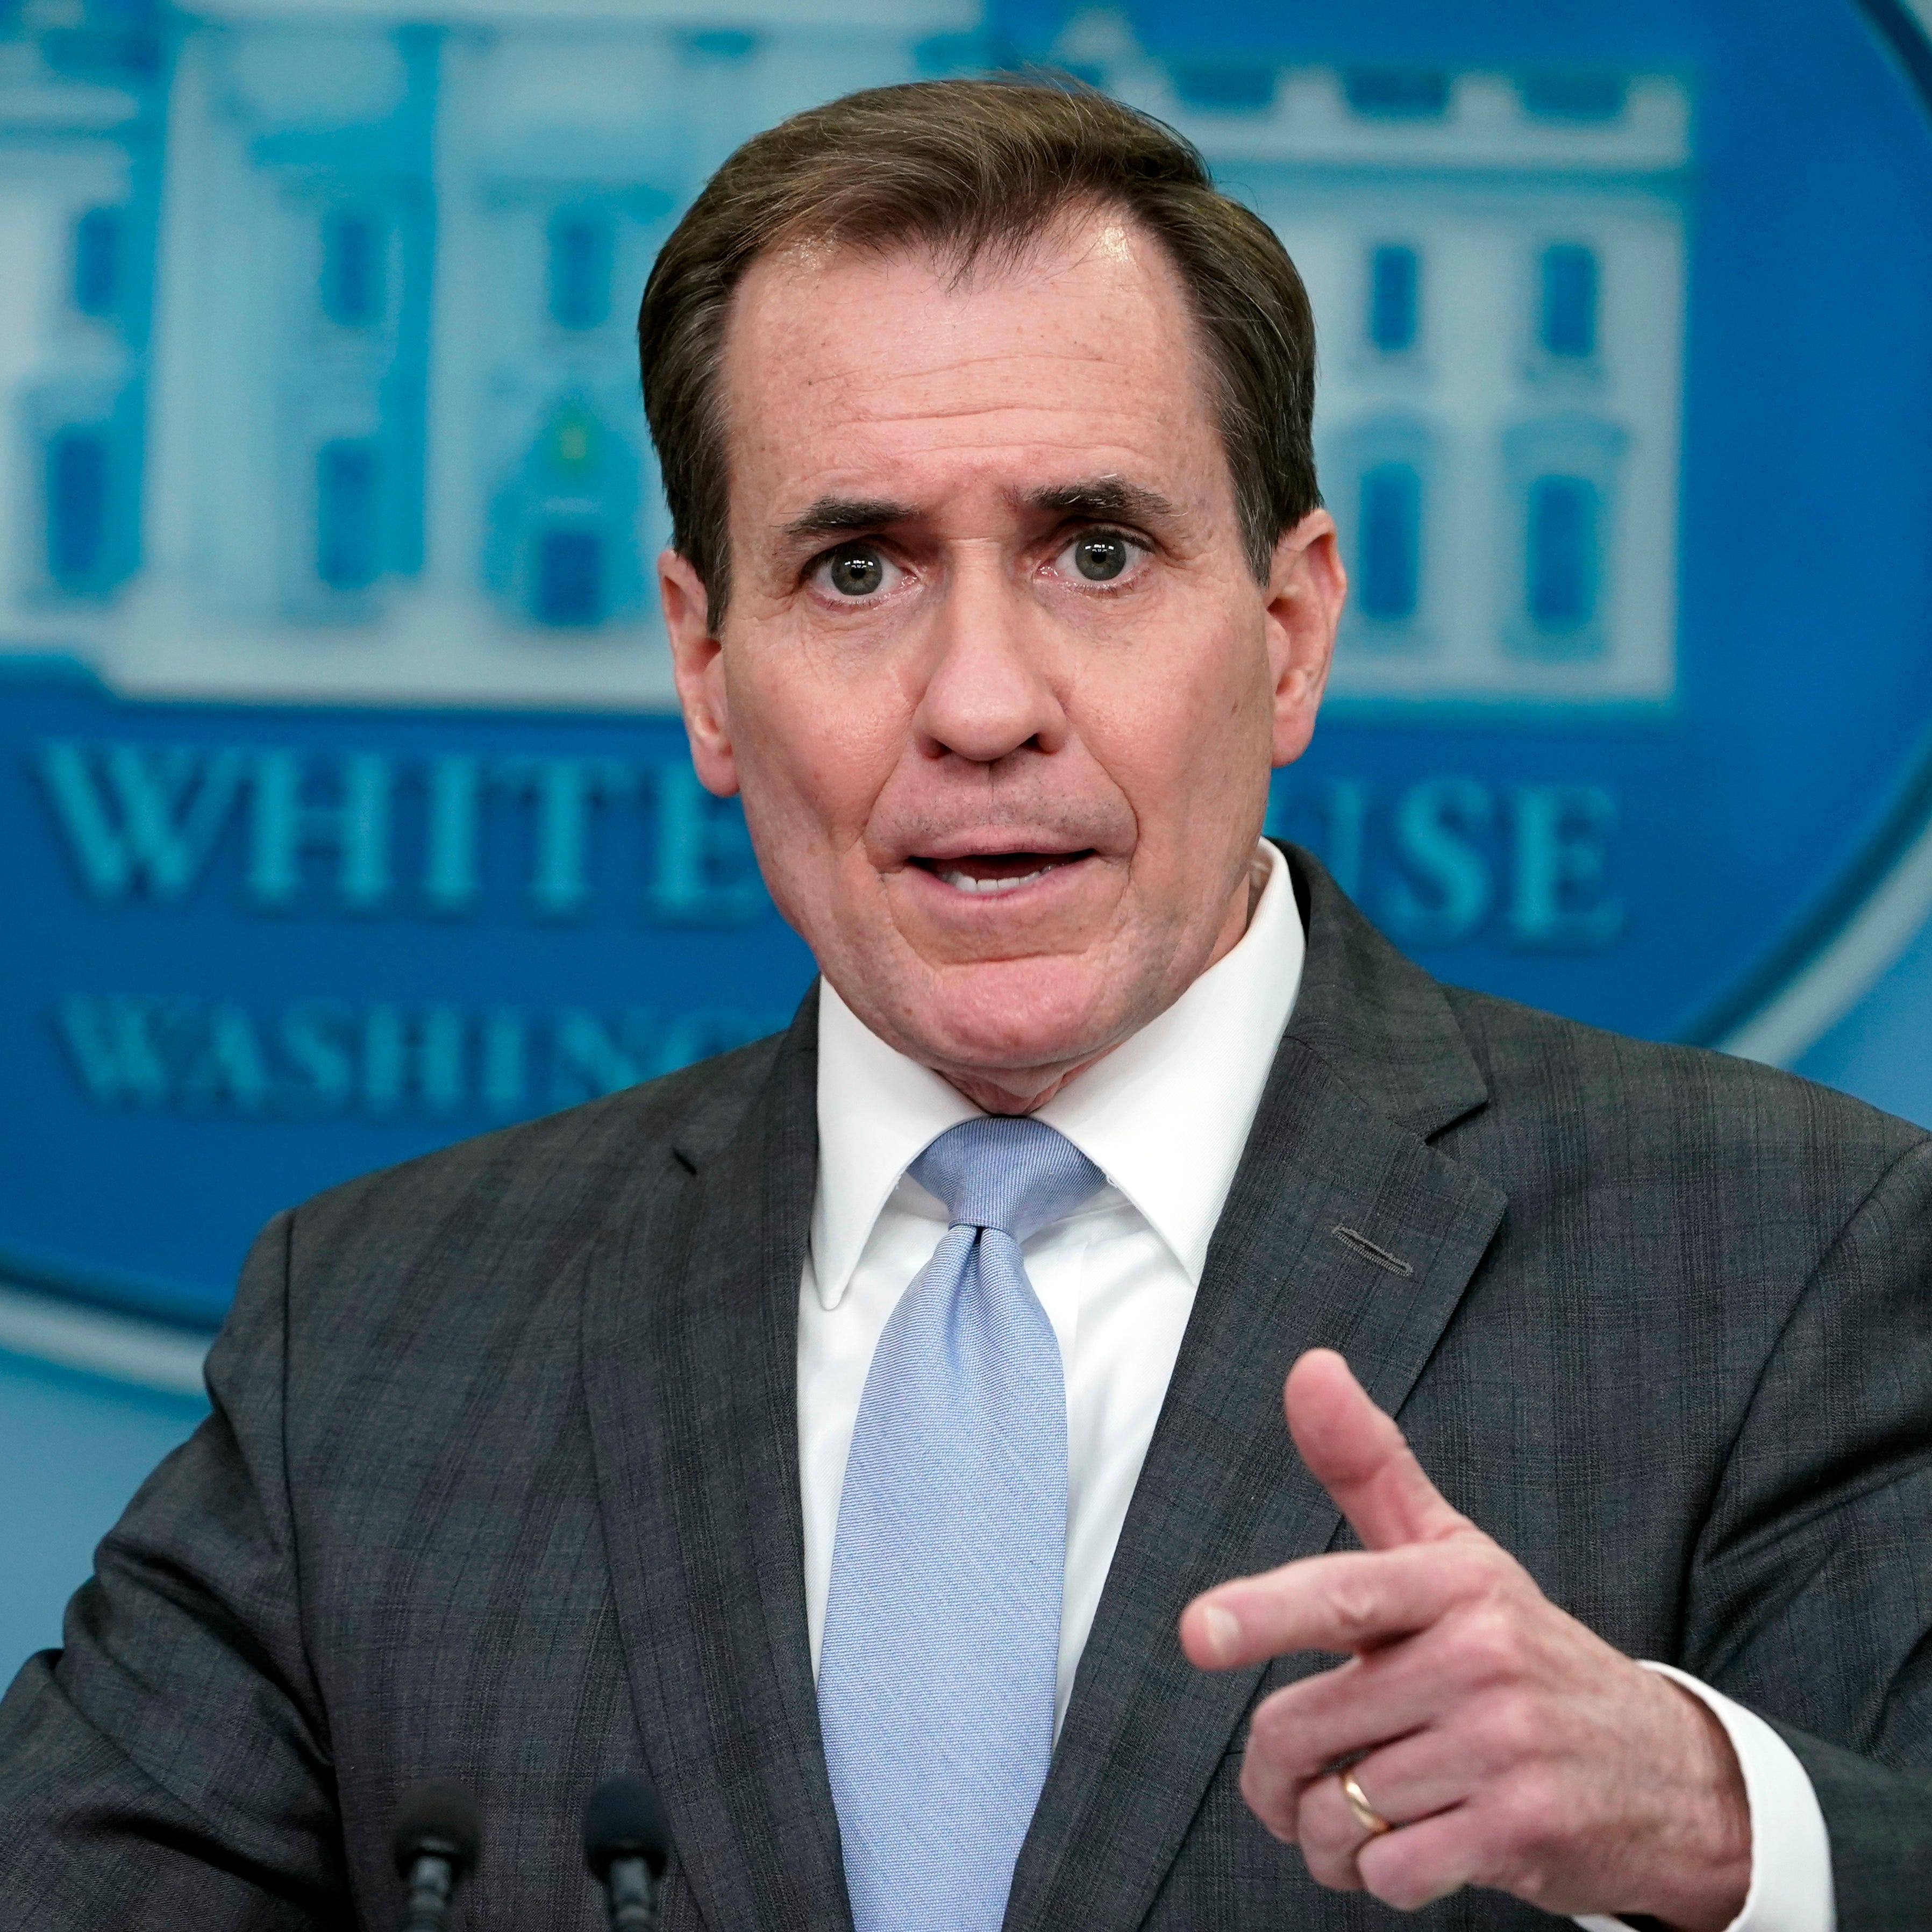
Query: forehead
{"points": [[895, 370]]}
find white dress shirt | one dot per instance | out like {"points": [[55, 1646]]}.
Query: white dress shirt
{"points": [[1165, 1117]]}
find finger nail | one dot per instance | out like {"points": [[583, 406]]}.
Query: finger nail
{"points": [[1221, 1629]]}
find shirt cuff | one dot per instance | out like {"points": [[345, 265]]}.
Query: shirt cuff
{"points": [[1791, 1852]]}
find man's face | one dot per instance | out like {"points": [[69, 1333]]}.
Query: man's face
{"points": [[996, 682]]}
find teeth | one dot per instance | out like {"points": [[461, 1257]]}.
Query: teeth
{"points": [[964, 883]]}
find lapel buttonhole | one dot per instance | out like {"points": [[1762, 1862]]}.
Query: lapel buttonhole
{"points": [[1350, 1238]]}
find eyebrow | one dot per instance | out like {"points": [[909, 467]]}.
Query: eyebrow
{"points": [[834, 516], [1108, 498]]}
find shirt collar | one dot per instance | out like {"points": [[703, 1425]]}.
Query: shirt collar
{"points": [[1165, 1116]]}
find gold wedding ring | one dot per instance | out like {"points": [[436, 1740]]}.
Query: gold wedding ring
{"points": [[1371, 1820]]}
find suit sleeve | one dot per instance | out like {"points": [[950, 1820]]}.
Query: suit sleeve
{"points": [[1811, 1592], [169, 1767]]}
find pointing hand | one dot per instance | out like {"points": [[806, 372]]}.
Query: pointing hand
{"points": [[1505, 1743]]}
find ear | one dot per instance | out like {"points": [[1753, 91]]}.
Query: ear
{"points": [[1306, 586], [697, 663]]}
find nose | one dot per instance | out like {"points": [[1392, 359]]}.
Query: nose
{"points": [[987, 693]]}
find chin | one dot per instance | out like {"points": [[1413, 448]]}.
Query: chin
{"points": [[1006, 1015]]}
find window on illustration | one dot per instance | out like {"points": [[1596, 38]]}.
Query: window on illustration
{"points": [[569, 587], [1569, 322], [347, 556], [1394, 291], [77, 481], [351, 268], [97, 261], [1390, 543], [1563, 563], [579, 270]]}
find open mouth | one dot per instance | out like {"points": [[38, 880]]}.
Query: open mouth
{"points": [[988, 874]]}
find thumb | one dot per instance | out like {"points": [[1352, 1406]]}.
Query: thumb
{"points": [[1358, 1455]]}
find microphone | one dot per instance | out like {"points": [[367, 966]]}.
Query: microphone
{"points": [[627, 1844], [435, 1841]]}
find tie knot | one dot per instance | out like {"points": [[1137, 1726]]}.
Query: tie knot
{"points": [[1015, 1175]]}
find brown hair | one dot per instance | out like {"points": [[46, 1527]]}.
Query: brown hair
{"points": [[974, 169]]}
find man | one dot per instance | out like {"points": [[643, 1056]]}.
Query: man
{"points": [[876, 1431]]}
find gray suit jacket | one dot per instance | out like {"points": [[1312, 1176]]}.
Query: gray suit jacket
{"points": [[502, 1483]]}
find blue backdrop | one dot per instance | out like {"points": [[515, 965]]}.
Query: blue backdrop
{"points": [[343, 813]]}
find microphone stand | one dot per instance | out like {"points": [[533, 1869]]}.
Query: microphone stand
{"points": [[437, 1836], [432, 1889], [627, 1846], [630, 1895]]}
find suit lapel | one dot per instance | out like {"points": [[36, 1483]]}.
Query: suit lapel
{"points": [[691, 1363], [1371, 1063]]}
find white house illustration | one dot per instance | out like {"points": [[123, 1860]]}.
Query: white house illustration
{"points": [[389, 446], [318, 379], [1496, 263]]}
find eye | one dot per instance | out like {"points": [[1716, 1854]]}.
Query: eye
{"points": [[855, 571], [1102, 556]]}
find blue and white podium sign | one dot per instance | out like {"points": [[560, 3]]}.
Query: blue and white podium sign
{"points": [[342, 808]]}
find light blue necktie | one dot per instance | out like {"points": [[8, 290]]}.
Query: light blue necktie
{"points": [[942, 1627]]}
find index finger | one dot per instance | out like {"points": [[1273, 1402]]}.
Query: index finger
{"points": [[1352, 1601], [1359, 1456]]}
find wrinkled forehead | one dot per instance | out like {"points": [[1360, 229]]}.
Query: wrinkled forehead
{"points": [[869, 357]]}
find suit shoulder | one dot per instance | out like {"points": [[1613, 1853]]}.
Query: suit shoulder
{"points": [[1534, 1061], [555, 1171]]}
